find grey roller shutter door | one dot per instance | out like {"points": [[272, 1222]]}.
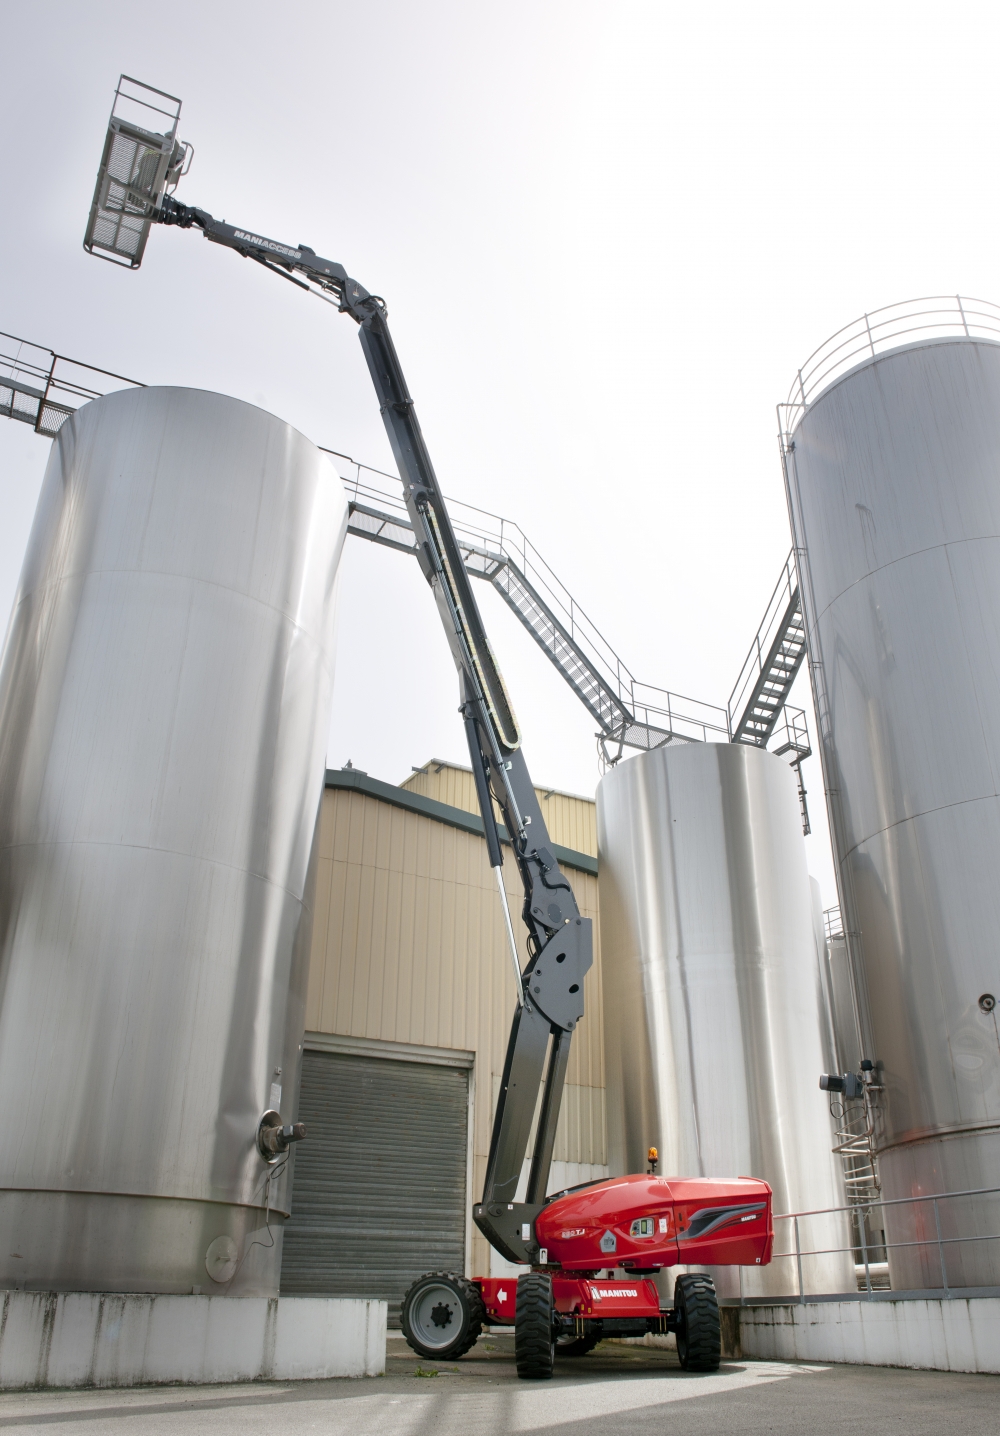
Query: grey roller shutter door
{"points": [[379, 1189]]}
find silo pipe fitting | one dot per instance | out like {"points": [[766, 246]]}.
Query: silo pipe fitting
{"points": [[274, 1137]]}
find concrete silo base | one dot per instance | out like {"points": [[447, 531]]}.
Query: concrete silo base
{"points": [[73, 1339], [962, 1334]]}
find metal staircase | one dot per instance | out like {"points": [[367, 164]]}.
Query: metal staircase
{"points": [[760, 697], [628, 713], [42, 388], [772, 664]]}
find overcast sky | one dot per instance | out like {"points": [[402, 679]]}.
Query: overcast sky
{"points": [[608, 235]]}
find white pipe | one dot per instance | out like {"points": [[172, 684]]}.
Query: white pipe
{"points": [[510, 937]]}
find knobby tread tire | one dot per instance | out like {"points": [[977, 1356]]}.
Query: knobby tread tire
{"points": [[699, 1334], [534, 1340], [579, 1347], [472, 1299]]}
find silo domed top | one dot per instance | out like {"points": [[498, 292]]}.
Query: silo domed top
{"points": [[896, 326]]}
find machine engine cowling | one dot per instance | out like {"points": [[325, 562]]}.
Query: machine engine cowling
{"points": [[642, 1223]]}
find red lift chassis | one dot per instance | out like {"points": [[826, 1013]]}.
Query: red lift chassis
{"points": [[564, 1305]]}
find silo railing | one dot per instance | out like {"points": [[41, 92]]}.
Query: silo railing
{"points": [[947, 316], [934, 1238]]}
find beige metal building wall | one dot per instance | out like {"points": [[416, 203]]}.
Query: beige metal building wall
{"points": [[409, 948], [571, 820]]}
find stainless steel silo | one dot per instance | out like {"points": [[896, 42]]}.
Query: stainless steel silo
{"points": [[712, 1023], [893, 473], [164, 700]]}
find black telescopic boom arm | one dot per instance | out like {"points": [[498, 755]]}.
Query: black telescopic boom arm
{"points": [[560, 943]]}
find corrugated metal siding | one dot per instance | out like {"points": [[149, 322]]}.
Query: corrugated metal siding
{"points": [[409, 946], [446, 783], [571, 821], [580, 1135], [380, 1183]]}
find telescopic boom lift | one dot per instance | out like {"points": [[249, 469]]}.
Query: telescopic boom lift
{"points": [[560, 942]]}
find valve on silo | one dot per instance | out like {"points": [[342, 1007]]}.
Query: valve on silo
{"points": [[275, 1137]]}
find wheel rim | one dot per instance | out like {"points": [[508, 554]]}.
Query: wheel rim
{"points": [[436, 1316]]}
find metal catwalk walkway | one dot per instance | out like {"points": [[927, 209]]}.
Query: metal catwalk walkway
{"points": [[41, 388]]}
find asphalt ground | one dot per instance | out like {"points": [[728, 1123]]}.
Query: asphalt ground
{"points": [[613, 1389]]}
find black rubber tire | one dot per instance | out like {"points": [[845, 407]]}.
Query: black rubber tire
{"points": [[465, 1309], [699, 1334], [534, 1327], [578, 1345]]}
